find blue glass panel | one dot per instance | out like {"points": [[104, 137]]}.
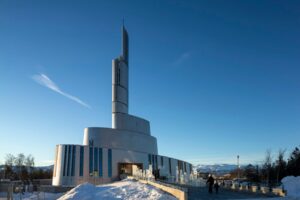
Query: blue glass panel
{"points": [[73, 160], [81, 161], [96, 160], [65, 161], [69, 160], [100, 163], [91, 162], [109, 163], [170, 166], [153, 162]]}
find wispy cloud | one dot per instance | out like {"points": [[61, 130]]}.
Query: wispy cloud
{"points": [[44, 80], [182, 58]]}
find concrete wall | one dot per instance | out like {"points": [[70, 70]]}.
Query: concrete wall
{"points": [[131, 123], [180, 194], [120, 139]]}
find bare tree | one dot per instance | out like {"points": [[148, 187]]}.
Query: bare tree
{"points": [[19, 163], [268, 164], [29, 163], [9, 162], [280, 165]]}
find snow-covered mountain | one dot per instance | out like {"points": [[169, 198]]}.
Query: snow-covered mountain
{"points": [[45, 168], [215, 168]]}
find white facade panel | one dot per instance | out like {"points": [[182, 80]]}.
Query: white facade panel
{"points": [[131, 123]]}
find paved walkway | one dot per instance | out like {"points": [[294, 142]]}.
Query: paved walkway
{"points": [[201, 193]]}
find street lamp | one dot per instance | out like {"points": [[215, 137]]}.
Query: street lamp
{"points": [[238, 167]]}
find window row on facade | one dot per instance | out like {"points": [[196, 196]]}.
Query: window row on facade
{"points": [[95, 161], [181, 165]]}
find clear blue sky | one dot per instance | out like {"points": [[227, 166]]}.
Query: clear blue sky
{"points": [[214, 78]]}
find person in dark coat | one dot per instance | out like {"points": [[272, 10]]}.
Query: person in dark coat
{"points": [[210, 181]]}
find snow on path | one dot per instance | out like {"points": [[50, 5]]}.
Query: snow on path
{"points": [[126, 189]]}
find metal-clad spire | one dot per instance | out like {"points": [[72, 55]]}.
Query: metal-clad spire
{"points": [[125, 43]]}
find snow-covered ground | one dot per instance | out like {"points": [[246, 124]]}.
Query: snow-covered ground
{"points": [[126, 189], [32, 196], [132, 190], [292, 185]]}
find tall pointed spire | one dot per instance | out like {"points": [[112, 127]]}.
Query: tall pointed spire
{"points": [[125, 43]]}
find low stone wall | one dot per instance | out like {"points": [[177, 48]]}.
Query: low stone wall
{"points": [[42, 181], [180, 194], [256, 189]]}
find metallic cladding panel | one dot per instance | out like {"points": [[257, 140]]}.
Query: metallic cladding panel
{"points": [[125, 44]]}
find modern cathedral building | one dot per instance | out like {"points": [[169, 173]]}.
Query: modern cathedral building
{"points": [[107, 153]]}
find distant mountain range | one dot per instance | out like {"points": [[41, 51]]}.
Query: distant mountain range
{"points": [[45, 168], [215, 168]]}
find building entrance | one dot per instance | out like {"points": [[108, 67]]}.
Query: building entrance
{"points": [[129, 168]]}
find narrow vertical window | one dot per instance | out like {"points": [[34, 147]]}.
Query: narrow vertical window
{"points": [[162, 161], [184, 166], [73, 160], [91, 161], [149, 159], [109, 163], [65, 160], [170, 167], [119, 76], [100, 163], [69, 160], [81, 161], [95, 161], [191, 168], [153, 162]]}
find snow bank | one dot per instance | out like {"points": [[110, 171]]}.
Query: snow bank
{"points": [[126, 189], [292, 185], [36, 195]]}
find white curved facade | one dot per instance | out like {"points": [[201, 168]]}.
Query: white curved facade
{"points": [[108, 152], [120, 139]]}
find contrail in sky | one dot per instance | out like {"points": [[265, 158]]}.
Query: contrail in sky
{"points": [[44, 80]]}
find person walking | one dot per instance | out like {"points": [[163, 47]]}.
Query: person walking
{"points": [[216, 186], [210, 182]]}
